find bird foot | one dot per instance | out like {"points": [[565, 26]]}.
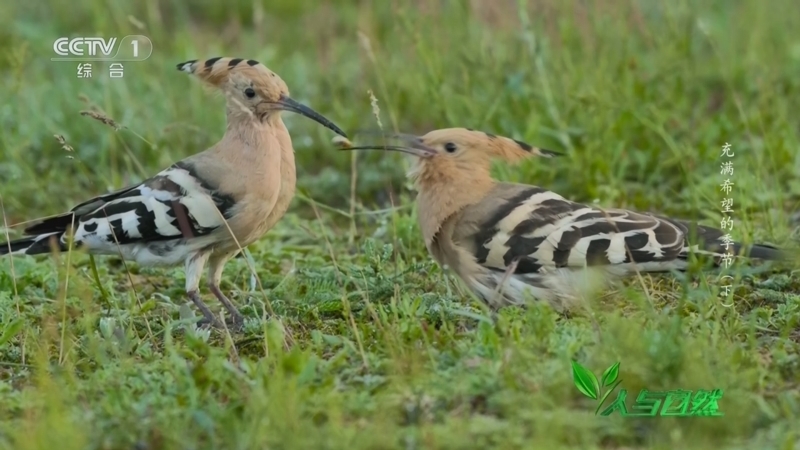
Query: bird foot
{"points": [[231, 324], [234, 323], [208, 320], [236, 317]]}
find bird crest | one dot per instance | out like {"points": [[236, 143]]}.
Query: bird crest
{"points": [[218, 70], [235, 75], [493, 145]]}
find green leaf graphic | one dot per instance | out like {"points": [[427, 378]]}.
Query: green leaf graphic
{"points": [[585, 381], [605, 396], [610, 375]]}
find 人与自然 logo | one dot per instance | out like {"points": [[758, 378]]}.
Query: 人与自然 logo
{"points": [[648, 403]]}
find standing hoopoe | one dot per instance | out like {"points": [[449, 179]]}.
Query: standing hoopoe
{"points": [[204, 208], [503, 239]]}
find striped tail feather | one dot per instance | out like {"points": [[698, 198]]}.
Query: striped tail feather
{"points": [[763, 251], [37, 245], [51, 225], [710, 242]]}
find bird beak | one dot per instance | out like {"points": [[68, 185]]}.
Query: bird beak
{"points": [[287, 104], [414, 146], [418, 152]]}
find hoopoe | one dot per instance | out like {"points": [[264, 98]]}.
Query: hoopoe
{"points": [[204, 208], [507, 240]]}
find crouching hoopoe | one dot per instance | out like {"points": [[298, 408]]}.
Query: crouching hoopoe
{"points": [[503, 239], [204, 208]]}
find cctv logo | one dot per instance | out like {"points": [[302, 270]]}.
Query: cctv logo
{"points": [[84, 46], [134, 47]]}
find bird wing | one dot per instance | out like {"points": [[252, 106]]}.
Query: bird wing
{"points": [[542, 231], [175, 203]]}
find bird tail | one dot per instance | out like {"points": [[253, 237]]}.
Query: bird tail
{"points": [[713, 242], [35, 245], [763, 251]]}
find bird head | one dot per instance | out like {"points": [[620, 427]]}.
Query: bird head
{"points": [[251, 89], [453, 168], [449, 153]]}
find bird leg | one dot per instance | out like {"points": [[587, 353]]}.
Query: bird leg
{"points": [[194, 268], [208, 316], [215, 267], [236, 316]]}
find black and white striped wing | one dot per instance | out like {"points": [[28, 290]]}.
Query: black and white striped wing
{"points": [[542, 231], [173, 204]]}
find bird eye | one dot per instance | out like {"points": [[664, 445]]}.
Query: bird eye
{"points": [[249, 92], [450, 147]]}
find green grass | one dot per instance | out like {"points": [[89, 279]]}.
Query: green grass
{"points": [[372, 345]]}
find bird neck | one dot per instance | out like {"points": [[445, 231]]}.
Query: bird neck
{"points": [[245, 130], [245, 162], [255, 146], [288, 169], [444, 191]]}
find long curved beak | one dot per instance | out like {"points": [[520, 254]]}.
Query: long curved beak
{"points": [[287, 104], [413, 145], [418, 152]]}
